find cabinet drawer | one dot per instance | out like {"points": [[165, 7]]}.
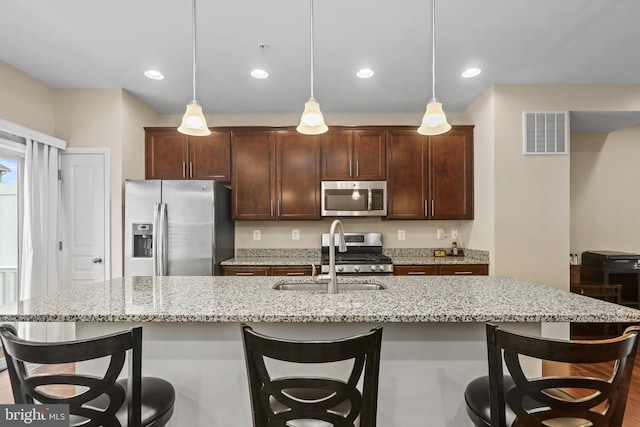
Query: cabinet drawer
{"points": [[464, 270], [246, 270], [291, 270], [415, 270]]}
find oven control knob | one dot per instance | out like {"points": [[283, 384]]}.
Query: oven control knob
{"points": [[356, 268], [381, 267], [340, 268], [374, 268]]}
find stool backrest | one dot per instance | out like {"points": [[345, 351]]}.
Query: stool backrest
{"points": [[90, 392], [600, 402], [276, 401]]}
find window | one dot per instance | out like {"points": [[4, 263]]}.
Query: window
{"points": [[8, 229]]}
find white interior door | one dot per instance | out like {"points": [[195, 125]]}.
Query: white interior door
{"points": [[84, 217]]}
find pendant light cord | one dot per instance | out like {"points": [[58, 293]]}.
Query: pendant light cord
{"points": [[311, 26], [433, 48], [193, 37]]}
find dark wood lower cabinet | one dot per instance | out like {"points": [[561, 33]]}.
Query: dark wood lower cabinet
{"points": [[268, 270], [442, 270]]}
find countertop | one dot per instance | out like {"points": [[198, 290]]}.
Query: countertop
{"points": [[421, 256], [241, 299]]}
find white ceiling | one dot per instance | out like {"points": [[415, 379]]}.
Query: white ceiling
{"points": [[109, 44]]}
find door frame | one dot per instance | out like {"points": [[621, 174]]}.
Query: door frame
{"points": [[106, 153]]}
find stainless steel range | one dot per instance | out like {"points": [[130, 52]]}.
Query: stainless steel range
{"points": [[363, 256]]}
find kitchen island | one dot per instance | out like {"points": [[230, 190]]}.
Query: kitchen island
{"points": [[433, 338]]}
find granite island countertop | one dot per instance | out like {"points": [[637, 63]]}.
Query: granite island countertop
{"points": [[242, 299]]}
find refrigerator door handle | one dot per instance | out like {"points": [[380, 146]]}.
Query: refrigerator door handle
{"points": [[163, 255], [156, 238]]}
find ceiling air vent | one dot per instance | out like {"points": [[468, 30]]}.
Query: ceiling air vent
{"points": [[545, 132]]}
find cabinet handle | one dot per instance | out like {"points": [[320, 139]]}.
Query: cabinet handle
{"points": [[433, 209], [426, 211], [190, 169], [357, 168], [270, 207], [295, 274], [416, 273], [184, 169], [349, 167], [279, 207], [244, 274], [218, 176], [462, 272]]}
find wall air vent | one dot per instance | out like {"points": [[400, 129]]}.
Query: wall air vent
{"points": [[545, 132]]}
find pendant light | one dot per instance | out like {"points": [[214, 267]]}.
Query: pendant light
{"points": [[312, 122], [193, 121], [434, 121]]}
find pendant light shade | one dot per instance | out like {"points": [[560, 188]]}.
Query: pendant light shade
{"points": [[193, 121], [312, 121], [434, 121]]}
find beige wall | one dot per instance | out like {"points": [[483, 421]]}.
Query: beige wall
{"points": [[26, 101], [605, 183]]}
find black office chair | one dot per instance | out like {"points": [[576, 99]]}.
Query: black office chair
{"points": [[499, 400], [294, 400], [93, 400]]}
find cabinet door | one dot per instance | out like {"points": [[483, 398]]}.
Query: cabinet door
{"points": [[253, 175], [406, 185], [292, 270], [210, 157], [297, 176], [415, 270], [451, 174], [242, 270], [464, 270], [337, 162], [166, 154], [369, 155]]}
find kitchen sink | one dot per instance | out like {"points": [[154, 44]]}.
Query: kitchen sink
{"points": [[314, 286]]}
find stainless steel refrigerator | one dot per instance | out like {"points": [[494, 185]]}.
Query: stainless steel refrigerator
{"points": [[177, 228]]}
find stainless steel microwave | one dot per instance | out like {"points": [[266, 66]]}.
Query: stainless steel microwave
{"points": [[354, 198]]}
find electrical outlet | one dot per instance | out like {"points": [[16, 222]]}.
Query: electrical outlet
{"points": [[256, 235], [401, 235], [295, 234], [454, 235], [440, 233]]}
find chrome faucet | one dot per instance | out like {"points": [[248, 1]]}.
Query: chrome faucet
{"points": [[331, 277]]}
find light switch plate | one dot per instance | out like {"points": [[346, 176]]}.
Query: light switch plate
{"points": [[401, 235], [256, 235], [454, 235], [295, 234], [440, 233]]}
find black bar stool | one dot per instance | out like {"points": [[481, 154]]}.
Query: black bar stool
{"points": [[296, 400], [132, 402], [499, 400]]}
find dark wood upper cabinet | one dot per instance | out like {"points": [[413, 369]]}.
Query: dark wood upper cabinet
{"points": [[172, 155], [253, 175], [358, 155], [297, 176], [276, 175], [430, 177]]}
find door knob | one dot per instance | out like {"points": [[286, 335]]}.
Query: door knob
{"points": [[96, 260]]}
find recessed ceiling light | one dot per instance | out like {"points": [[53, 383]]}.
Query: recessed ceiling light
{"points": [[365, 73], [154, 75], [471, 72], [259, 74]]}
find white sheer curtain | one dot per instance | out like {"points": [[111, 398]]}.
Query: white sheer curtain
{"points": [[39, 255]]}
